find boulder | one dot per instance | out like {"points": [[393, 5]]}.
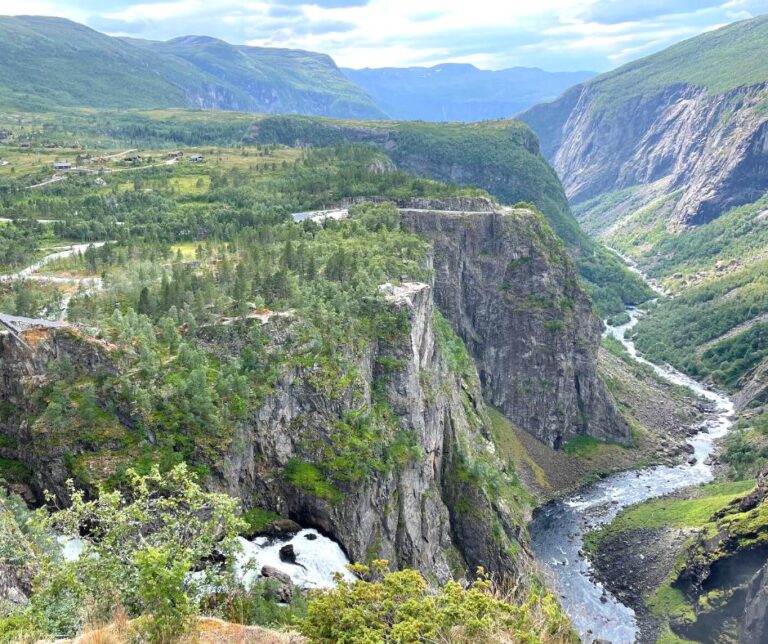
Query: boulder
{"points": [[282, 581]]}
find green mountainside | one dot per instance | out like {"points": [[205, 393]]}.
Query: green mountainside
{"points": [[694, 116], [718, 61], [76, 66], [666, 160], [500, 156]]}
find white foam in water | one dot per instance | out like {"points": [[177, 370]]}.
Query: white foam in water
{"points": [[319, 558]]}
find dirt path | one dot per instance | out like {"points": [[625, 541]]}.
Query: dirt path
{"points": [[90, 283], [53, 179]]}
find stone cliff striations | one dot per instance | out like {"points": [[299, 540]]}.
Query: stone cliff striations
{"points": [[713, 148], [387, 447], [511, 292]]}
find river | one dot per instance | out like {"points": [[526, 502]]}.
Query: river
{"points": [[557, 530]]}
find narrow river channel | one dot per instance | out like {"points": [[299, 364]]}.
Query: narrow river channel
{"points": [[558, 529]]}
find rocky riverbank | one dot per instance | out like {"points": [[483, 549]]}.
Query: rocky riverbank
{"points": [[693, 562], [558, 529], [633, 564]]}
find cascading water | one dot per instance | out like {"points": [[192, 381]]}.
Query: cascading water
{"points": [[558, 529], [318, 559]]}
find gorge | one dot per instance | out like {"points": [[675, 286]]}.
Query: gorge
{"points": [[350, 379]]}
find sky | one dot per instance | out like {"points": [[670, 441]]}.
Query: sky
{"points": [[556, 35]]}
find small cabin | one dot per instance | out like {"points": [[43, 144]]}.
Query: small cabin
{"points": [[197, 158], [62, 165]]}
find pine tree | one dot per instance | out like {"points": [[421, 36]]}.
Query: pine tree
{"points": [[145, 305]]}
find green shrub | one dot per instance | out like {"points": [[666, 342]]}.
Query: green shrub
{"points": [[452, 346], [309, 478], [138, 549], [14, 471], [400, 607], [257, 519], [619, 319]]}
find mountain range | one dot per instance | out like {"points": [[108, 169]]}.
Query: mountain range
{"points": [[430, 367], [77, 66], [459, 92]]}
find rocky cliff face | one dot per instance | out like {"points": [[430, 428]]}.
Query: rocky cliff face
{"points": [[427, 510], [387, 446], [394, 463], [754, 625], [510, 290], [711, 147], [16, 563], [25, 369]]}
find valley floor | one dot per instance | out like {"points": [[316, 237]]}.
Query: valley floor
{"points": [[662, 417]]}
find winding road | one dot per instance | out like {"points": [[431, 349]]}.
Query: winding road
{"points": [[30, 273]]}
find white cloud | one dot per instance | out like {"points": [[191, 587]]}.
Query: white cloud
{"points": [[555, 34], [41, 8]]}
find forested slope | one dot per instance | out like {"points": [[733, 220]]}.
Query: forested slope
{"points": [[501, 157]]}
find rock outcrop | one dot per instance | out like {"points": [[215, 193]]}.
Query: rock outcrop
{"points": [[27, 365], [393, 462], [385, 447], [691, 119], [724, 573], [16, 563], [511, 293], [753, 388], [754, 624]]}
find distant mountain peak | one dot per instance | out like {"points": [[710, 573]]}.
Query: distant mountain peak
{"points": [[461, 91], [196, 41]]}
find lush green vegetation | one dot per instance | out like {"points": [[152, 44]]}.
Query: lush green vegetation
{"points": [[718, 60], [211, 297], [739, 234], [398, 607], [715, 325], [184, 378], [746, 446], [75, 66], [619, 319], [698, 331], [583, 446], [693, 512], [501, 157], [140, 545], [138, 548]]}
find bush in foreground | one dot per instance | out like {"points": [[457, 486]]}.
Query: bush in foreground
{"points": [[399, 607]]}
